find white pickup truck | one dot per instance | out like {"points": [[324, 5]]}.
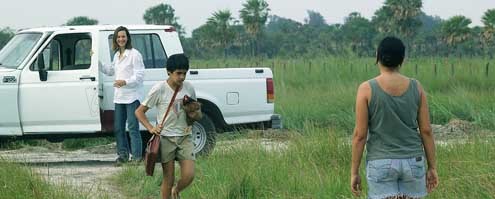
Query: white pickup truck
{"points": [[51, 86]]}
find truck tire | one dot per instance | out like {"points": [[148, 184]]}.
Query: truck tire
{"points": [[5, 141], [204, 133]]}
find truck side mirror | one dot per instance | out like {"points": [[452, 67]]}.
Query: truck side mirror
{"points": [[41, 68]]}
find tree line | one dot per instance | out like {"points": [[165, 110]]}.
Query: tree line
{"points": [[257, 33]]}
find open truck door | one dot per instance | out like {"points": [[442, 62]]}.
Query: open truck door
{"points": [[58, 91]]}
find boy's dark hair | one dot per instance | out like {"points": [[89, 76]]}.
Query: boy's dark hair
{"points": [[115, 46], [390, 52], [177, 61]]}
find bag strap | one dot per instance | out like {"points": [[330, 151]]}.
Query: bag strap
{"points": [[170, 105]]}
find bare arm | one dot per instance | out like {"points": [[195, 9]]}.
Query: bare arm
{"points": [[426, 134], [425, 130], [360, 134], [141, 116]]}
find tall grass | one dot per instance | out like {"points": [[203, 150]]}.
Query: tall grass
{"points": [[466, 170], [315, 166], [17, 181], [323, 90], [316, 99]]}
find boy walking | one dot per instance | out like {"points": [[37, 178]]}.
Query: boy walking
{"points": [[176, 140]]}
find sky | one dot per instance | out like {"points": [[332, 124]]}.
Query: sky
{"points": [[18, 14]]}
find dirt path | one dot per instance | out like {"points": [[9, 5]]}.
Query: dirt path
{"points": [[86, 169], [89, 169]]}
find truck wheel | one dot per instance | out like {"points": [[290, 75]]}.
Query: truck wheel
{"points": [[6, 141], [55, 139], [3, 142], [203, 133]]}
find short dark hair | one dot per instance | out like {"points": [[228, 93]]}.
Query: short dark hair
{"points": [[390, 52], [115, 46], [177, 61]]}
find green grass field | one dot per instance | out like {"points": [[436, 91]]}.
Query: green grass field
{"points": [[323, 91], [315, 166], [316, 99]]}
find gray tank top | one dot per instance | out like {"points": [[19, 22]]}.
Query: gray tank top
{"points": [[392, 124]]}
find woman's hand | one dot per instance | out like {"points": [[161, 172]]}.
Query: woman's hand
{"points": [[356, 184], [431, 179], [119, 83]]}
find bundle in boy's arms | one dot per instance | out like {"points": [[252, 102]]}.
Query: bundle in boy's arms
{"points": [[193, 109]]}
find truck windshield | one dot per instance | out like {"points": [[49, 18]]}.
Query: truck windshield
{"points": [[12, 54]]}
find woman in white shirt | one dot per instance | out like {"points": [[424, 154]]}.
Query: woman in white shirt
{"points": [[128, 68]]}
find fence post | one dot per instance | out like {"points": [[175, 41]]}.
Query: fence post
{"points": [[486, 69], [309, 66], [452, 70], [435, 70], [416, 69]]}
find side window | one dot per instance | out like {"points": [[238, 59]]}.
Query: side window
{"points": [[150, 47], [66, 52], [83, 52], [141, 42], [50, 57], [159, 52]]}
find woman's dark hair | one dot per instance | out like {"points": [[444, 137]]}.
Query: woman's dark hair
{"points": [[177, 61], [115, 46], [390, 52]]}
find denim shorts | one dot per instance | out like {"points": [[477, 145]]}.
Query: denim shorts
{"points": [[396, 177]]}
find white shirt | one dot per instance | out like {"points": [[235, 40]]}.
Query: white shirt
{"points": [[131, 69], [160, 96]]}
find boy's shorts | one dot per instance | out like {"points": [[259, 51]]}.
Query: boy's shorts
{"points": [[396, 177], [176, 148]]}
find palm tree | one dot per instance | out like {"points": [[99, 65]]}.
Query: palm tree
{"points": [[222, 22], [202, 40], [162, 14], [5, 35], [315, 19], [488, 34], [358, 32], [381, 20], [455, 31], [81, 20], [404, 17], [254, 16]]}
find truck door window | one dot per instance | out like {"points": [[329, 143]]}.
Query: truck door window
{"points": [[159, 54], [83, 52], [67, 52], [150, 47], [51, 57]]}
